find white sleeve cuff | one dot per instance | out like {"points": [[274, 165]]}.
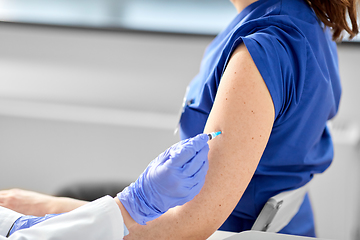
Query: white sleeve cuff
{"points": [[100, 219], [7, 219]]}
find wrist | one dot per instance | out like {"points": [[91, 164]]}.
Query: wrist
{"points": [[128, 220]]}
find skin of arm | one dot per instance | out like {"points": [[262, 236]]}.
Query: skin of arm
{"points": [[243, 110], [36, 204], [128, 220]]}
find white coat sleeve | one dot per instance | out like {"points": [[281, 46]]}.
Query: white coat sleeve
{"points": [[100, 219], [7, 219]]}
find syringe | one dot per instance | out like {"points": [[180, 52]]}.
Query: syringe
{"points": [[213, 135]]}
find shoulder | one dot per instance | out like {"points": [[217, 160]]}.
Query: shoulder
{"points": [[276, 33], [279, 50]]}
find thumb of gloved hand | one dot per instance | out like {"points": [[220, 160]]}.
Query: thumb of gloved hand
{"points": [[175, 177]]}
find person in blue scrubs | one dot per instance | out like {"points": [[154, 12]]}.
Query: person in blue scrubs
{"points": [[269, 82], [298, 64]]}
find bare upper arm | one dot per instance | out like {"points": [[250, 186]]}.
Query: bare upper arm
{"points": [[243, 110]]}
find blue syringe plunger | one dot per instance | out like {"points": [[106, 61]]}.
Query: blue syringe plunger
{"points": [[213, 134]]}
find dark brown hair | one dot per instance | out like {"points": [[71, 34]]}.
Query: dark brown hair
{"points": [[334, 13]]}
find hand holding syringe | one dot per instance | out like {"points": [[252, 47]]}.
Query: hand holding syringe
{"points": [[175, 177]]}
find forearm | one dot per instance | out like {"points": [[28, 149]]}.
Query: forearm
{"points": [[36, 204], [64, 204]]}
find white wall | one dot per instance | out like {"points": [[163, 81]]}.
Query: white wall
{"points": [[87, 106], [336, 193], [80, 105]]}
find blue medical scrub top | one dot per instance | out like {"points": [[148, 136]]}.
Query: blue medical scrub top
{"points": [[298, 62]]}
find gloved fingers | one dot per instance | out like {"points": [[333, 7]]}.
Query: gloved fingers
{"points": [[195, 189], [164, 156], [203, 170], [199, 141], [196, 163], [185, 151], [199, 176], [182, 142], [161, 158], [196, 179]]}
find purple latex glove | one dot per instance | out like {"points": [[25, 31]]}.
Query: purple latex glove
{"points": [[175, 177], [29, 221]]}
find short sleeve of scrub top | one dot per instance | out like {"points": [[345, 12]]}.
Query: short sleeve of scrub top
{"points": [[276, 62]]}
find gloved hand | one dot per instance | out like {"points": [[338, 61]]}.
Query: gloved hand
{"points": [[28, 221], [175, 177]]}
